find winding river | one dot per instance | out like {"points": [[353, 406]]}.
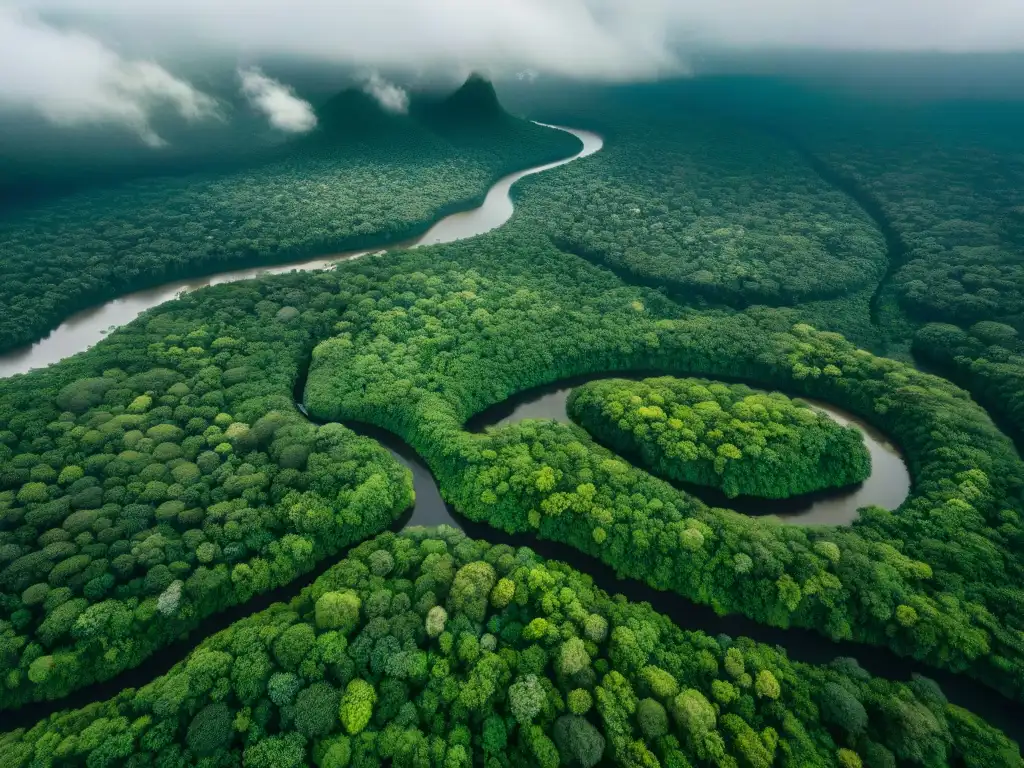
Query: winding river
{"points": [[803, 645], [84, 329], [888, 486]]}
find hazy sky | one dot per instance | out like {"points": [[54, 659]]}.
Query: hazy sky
{"points": [[116, 61]]}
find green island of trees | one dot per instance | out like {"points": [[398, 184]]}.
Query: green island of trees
{"points": [[364, 178], [726, 436], [429, 648]]}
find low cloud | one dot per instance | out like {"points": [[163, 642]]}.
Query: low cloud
{"points": [[390, 96], [73, 79], [599, 39], [285, 111], [93, 61], [594, 39]]}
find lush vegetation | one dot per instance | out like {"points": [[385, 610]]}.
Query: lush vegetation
{"points": [[988, 359], [364, 178], [944, 180], [956, 201], [165, 476], [434, 340], [726, 436], [948, 182], [433, 649]]}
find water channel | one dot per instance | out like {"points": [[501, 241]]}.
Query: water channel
{"points": [[84, 329], [887, 486]]}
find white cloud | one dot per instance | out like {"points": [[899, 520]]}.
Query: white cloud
{"points": [[869, 25], [567, 37], [73, 79], [390, 96], [600, 39], [81, 71], [285, 111]]}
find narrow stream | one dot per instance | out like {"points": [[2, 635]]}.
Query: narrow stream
{"points": [[801, 645]]}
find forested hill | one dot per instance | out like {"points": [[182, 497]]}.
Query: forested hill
{"points": [[476, 101]]}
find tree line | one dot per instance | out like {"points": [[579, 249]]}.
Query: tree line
{"points": [[987, 358]]}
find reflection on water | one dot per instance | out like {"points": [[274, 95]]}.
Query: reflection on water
{"points": [[887, 486], [84, 329]]}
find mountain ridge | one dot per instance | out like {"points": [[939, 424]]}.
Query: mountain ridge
{"points": [[354, 113]]}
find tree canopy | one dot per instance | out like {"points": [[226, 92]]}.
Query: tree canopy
{"points": [[488, 691], [722, 435]]}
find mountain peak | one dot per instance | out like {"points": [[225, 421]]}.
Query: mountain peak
{"points": [[353, 110], [475, 99]]}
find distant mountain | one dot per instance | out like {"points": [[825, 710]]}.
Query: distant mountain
{"points": [[470, 116], [473, 104], [354, 113], [474, 101]]}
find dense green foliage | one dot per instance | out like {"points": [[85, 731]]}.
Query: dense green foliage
{"points": [[943, 178], [710, 210], [334, 191], [432, 341], [957, 204], [462, 653], [726, 436], [164, 477], [988, 359]]}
